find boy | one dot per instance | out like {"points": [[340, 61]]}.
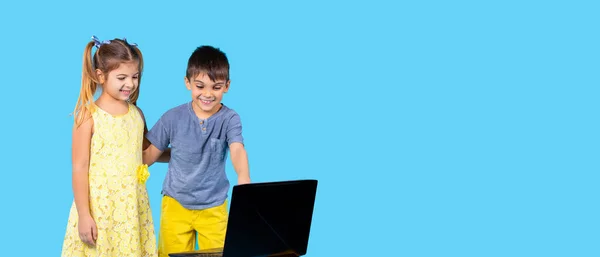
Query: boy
{"points": [[199, 132]]}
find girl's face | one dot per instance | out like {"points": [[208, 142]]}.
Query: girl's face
{"points": [[121, 82]]}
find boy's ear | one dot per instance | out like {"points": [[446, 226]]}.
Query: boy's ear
{"points": [[100, 76], [226, 86], [187, 83]]}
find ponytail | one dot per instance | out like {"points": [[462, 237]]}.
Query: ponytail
{"points": [[136, 94], [85, 103]]}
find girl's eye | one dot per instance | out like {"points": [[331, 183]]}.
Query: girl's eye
{"points": [[121, 78]]}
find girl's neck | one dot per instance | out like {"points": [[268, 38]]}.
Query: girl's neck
{"points": [[113, 106]]}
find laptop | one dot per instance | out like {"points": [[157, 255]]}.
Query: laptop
{"points": [[266, 219]]}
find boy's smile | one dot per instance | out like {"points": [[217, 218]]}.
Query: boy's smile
{"points": [[206, 94]]}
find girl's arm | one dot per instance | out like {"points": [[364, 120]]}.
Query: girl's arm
{"points": [[82, 137]]}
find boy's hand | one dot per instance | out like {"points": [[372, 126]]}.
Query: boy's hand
{"points": [[242, 181], [87, 230]]}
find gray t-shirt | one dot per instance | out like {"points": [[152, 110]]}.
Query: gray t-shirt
{"points": [[196, 176]]}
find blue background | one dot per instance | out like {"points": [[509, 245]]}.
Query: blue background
{"points": [[435, 128]]}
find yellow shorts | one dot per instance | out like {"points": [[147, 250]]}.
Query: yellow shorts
{"points": [[178, 227]]}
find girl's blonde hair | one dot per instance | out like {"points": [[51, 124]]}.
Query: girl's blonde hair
{"points": [[108, 56]]}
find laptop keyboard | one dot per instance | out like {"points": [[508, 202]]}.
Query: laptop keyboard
{"points": [[213, 254], [209, 255]]}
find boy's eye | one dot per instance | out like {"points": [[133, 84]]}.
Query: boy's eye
{"points": [[121, 78]]}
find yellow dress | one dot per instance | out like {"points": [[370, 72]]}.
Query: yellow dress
{"points": [[118, 197]]}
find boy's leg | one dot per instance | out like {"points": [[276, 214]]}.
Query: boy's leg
{"points": [[211, 225], [176, 231]]}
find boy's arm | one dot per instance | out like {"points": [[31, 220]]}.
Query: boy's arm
{"points": [[164, 156], [239, 159], [151, 155]]}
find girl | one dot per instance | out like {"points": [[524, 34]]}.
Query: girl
{"points": [[110, 215]]}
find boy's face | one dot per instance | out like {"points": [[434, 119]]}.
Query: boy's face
{"points": [[206, 94]]}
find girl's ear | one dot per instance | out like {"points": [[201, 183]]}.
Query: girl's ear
{"points": [[100, 76]]}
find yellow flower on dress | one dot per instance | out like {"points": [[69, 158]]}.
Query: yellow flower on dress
{"points": [[142, 173]]}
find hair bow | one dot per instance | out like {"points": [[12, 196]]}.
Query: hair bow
{"points": [[133, 44], [99, 43]]}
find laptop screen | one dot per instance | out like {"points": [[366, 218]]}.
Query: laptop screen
{"points": [[270, 218]]}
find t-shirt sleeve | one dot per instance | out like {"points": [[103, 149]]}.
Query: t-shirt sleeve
{"points": [[234, 130], [159, 134]]}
